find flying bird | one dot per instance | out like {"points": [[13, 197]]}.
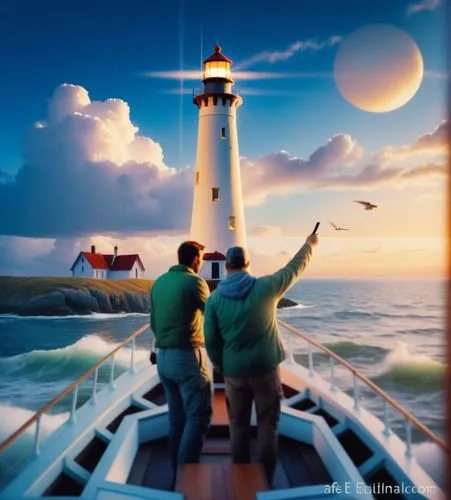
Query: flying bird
{"points": [[366, 204], [338, 228]]}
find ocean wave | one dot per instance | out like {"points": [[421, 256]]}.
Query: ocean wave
{"points": [[413, 370], [13, 417], [92, 316], [66, 362], [360, 314], [422, 331], [350, 349]]}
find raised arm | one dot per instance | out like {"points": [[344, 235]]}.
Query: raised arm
{"points": [[283, 279]]}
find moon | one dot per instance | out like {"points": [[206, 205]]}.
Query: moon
{"points": [[378, 68]]}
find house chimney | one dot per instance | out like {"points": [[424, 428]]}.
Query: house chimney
{"points": [[115, 254], [93, 249]]}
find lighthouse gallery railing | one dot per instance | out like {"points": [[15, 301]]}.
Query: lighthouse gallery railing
{"points": [[409, 419]]}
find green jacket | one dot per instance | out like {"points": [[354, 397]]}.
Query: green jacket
{"points": [[241, 333], [177, 301]]}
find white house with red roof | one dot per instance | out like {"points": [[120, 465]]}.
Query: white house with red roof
{"points": [[214, 266], [107, 266]]}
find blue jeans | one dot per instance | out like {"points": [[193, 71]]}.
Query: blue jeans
{"points": [[187, 384]]}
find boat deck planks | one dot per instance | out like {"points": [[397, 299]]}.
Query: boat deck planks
{"points": [[298, 465]]}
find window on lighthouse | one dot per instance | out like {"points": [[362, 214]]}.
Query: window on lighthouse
{"points": [[232, 223], [223, 133], [197, 178], [215, 194]]}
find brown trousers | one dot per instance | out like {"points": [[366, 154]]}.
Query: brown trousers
{"points": [[266, 391]]}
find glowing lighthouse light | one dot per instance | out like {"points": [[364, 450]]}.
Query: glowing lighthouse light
{"points": [[217, 66], [218, 216]]}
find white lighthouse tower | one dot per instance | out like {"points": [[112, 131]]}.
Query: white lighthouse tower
{"points": [[218, 217]]}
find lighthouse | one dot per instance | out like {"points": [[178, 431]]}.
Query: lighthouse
{"points": [[218, 216]]}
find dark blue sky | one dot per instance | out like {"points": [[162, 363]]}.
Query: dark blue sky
{"points": [[104, 45]]}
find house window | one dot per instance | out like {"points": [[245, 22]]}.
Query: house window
{"points": [[215, 194], [82, 269], [215, 270], [82, 260], [231, 223], [197, 178], [136, 272], [223, 133]]}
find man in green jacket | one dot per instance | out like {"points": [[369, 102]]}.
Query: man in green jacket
{"points": [[243, 342], [177, 301]]}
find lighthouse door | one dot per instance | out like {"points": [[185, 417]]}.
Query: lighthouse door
{"points": [[215, 270]]}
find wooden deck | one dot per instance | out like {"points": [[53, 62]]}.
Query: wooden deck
{"points": [[298, 465]]}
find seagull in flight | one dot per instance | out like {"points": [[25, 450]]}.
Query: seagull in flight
{"points": [[366, 204], [338, 228]]}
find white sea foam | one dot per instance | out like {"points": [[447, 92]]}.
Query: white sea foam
{"points": [[402, 356], [13, 417], [92, 316]]}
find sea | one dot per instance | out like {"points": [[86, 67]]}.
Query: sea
{"points": [[392, 330]]}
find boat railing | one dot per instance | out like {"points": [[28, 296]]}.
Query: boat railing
{"points": [[73, 388], [409, 419]]}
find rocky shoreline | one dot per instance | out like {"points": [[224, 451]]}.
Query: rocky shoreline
{"points": [[65, 301]]}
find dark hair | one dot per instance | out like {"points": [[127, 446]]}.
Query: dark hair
{"points": [[187, 251]]}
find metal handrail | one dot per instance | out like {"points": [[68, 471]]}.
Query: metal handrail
{"points": [[74, 386], [409, 418]]}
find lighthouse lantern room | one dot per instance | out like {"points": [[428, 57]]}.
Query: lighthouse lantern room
{"points": [[218, 216]]}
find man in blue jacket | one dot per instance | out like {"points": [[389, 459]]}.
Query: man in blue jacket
{"points": [[243, 342]]}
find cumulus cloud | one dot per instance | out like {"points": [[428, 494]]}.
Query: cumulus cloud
{"points": [[282, 173], [299, 46], [423, 5], [431, 143], [337, 165], [377, 175], [88, 170], [21, 256]]}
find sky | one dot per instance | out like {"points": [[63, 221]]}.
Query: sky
{"points": [[98, 131]]}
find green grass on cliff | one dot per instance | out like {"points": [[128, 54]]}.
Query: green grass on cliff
{"points": [[33, 286]]}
